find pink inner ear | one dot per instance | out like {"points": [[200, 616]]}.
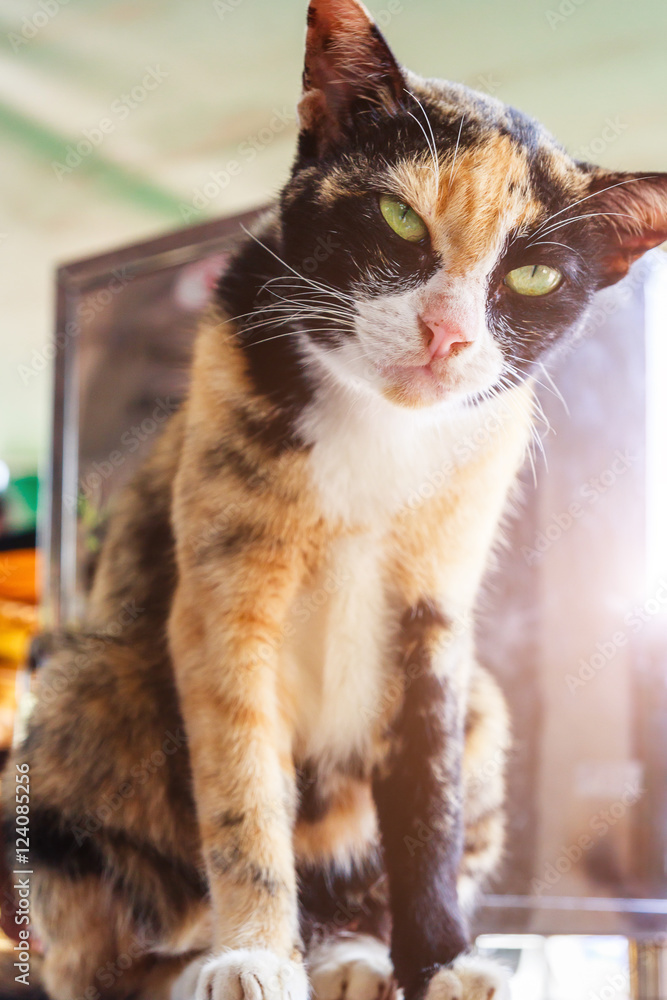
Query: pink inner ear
{"points": [[635, 246], [346, 57], [336, 29]]}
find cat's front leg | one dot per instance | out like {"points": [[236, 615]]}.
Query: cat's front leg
{"points": [[418, 793], [225, 633]]}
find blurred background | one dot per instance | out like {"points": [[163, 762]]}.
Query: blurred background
{"points": [[120, 122]]}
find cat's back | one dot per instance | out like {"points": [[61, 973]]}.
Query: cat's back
{"points": [[136, 572], [105, 742]]}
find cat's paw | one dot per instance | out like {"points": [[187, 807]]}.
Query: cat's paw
{"points": [[351, 967], [251, 974], [471, 978]]}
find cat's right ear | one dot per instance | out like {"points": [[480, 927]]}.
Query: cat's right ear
{"points": [[349, 68], [632, 209]]}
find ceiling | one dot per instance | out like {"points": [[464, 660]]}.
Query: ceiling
{"points": [[158, 95]]}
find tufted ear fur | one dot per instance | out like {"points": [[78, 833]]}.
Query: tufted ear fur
{"points": [[636, 219], [349, 69]]}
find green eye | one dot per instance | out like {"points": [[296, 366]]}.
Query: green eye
{"points": [[534, 279], [403, 220]]}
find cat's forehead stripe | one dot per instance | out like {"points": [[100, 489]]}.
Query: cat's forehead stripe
{"points": [[503, 180], [481, 195]]}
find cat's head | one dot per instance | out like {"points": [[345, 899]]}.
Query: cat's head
{"points": [[440, 242]]}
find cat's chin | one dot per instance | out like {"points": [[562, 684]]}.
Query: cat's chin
{"points": [[417, 387]]}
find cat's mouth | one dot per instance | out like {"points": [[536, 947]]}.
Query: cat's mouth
{"points": [[418, 385], [422, 374], [452, 378], [442, 361]]}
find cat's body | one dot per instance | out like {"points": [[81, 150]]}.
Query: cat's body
{"points": [[347, 659], [273, 729]]}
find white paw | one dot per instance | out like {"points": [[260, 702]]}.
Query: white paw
{"points": [[471, 978], [251, 974], [352, 967]]}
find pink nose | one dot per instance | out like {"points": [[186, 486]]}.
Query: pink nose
{"points": [[445, 335]]}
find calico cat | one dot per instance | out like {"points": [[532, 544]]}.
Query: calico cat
{"points": [[260, 766]]}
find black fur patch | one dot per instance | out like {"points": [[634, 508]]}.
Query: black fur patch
{"points": [[23, 993], [54, 845], [226, 819], [150, 541], [312, 805], [420, 621], [418, 798], [273, 361], [235, 539], [226, 457], [233, 861], [275, 435], [331, 901]]}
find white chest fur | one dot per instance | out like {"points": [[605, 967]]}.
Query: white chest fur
{"points": [[366, 462], [336, 662], [369, 457]]}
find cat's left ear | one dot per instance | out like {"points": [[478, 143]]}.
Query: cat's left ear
{"points": [[636, 216], [349, 67]]}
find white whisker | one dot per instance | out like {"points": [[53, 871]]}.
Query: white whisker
{"points": [[456, 153], [576, 218], [540, 243], [431, 144], [595, 194]]}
